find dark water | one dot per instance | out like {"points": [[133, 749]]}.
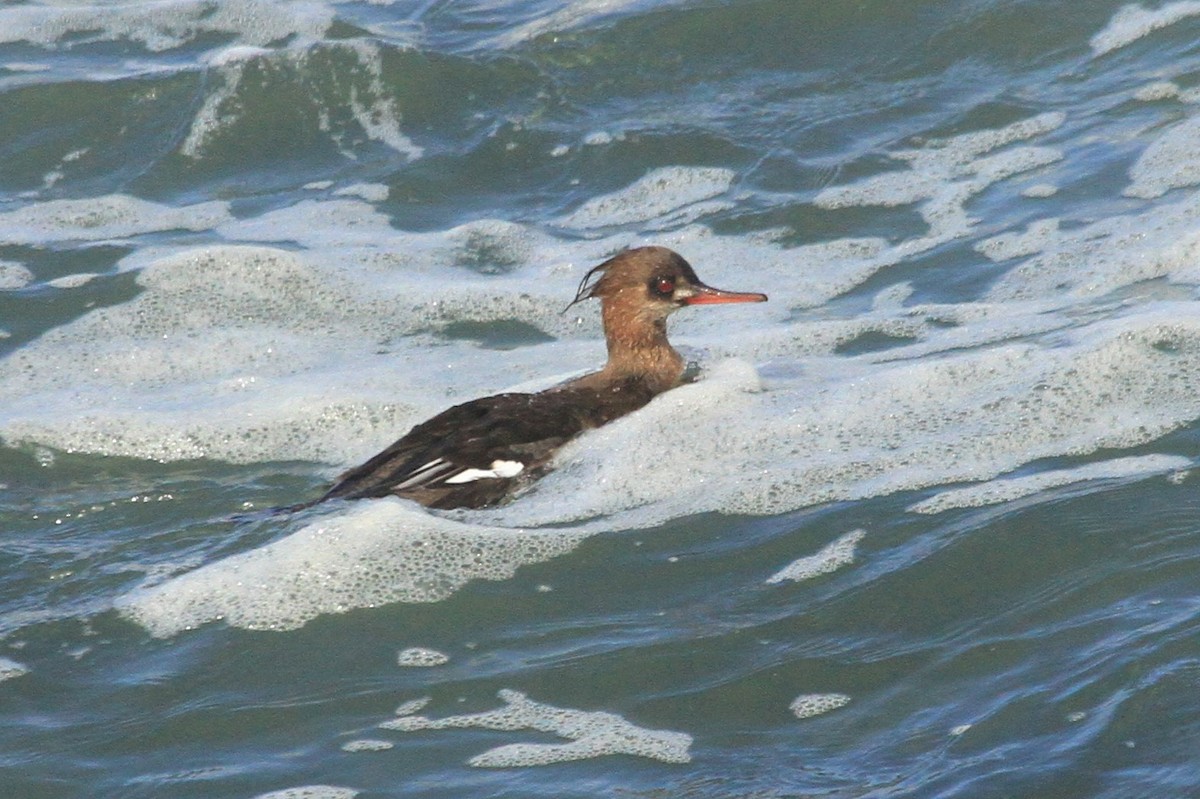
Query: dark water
{"points": [[925, 526]]}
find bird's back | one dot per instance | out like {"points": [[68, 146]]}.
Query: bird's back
{"points": [[476, 453]]}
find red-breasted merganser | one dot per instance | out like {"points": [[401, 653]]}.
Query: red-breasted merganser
{"points": [[478, 453]]}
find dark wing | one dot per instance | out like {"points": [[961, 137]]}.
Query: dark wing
{"points": [[474, 454], [456, 442]]}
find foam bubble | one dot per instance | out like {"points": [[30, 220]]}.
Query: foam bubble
{"points": [[371, 192], [165, 24], [366, 745], [14, 275], [423, 657], [1008, 489], [665, 196], [809, 705], [10, 668], [1035, 239], [591, 734], [945, 174], [1039, 191], [315, 223], [1099, 258], [186, 330], [598, 138], [1168, 163], [376, 553], [833, 557], [204, 354], [1132, 22], [412, 706], [1159, 90], [101, 218], [311, 792], [72, 281]]}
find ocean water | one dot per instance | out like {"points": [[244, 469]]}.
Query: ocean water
{"points": [[925, 525]]}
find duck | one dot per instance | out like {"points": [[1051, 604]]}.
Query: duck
{"points": [[484, 451]]}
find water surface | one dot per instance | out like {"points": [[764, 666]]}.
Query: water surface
{"points": [[924, 526]]}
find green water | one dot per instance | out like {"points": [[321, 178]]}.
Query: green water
{"points": [[245, 245]]}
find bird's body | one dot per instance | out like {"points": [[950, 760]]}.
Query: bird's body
{"points": [[478, 453]]}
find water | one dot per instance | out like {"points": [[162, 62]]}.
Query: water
{"points": [[925, 525]]}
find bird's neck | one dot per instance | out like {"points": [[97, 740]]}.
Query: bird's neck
{"points": [[638, 347]]}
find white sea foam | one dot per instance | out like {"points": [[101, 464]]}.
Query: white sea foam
{"points": [[101, 218], [1010, 488], [316, 223], [591, 734], [374, 554], [367, 745], [1118, 251], [1014, 245], [1096, 259], [1159, 90], [666, 196], [1132, 22], [162, 25], [411, 706], [944, 174], [1039, 191], [371, 192], [311, 792], [809, 705], [422, 657], [72, 281], [235, 328], [1168, 163], [831, 558], [14, 275], [599, 138]]}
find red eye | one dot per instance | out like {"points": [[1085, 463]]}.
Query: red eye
{"points": [[664, 285]]}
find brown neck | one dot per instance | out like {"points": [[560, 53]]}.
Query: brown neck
{"points": [[637, 347]]}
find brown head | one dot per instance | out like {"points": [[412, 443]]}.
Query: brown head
{"points": [[638, 289]]}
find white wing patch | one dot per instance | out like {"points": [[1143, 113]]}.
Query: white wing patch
{"points": [[427, 473], [500, 469]]}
